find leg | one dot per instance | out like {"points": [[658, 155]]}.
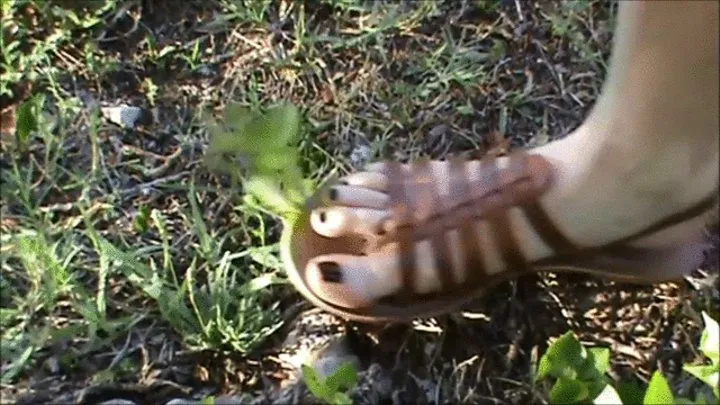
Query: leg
{"points": [[656, 121], [627, 166]]}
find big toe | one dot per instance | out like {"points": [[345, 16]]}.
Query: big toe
{"points": [[353, 281]]}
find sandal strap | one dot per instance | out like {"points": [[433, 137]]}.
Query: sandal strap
{"points": [[403, 231], [498, 215], [422, 215], [427, 206], [470, 253]]}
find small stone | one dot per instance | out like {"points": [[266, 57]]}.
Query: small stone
{"points": [[182, 401], [53, 365], [331, 357], [220, 400], [230, 400], [360, 156], [124, 115], [118, 401]]}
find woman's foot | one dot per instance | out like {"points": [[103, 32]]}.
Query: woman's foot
{"points": [[598, 195]]}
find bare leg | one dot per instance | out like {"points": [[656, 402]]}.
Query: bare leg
{"points": [[648, 149], [655, 125]]}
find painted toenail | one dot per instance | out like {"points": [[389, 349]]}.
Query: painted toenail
{"points": [[330, 272], [333, 194]]}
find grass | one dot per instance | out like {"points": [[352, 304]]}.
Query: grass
{"points": [[125, 260]]}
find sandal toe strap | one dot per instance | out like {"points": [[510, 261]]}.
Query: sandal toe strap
{"points": [[420, 213]]}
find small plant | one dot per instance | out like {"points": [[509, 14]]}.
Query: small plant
{"points": [[267, 143], [710, 347], [332, 389], [580, 374]]}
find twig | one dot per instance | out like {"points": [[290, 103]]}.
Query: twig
{"points": [[519, 10]]}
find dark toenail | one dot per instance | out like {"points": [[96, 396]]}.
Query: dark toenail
{"points": [[330, 272], [323, 216], [333, 194]]}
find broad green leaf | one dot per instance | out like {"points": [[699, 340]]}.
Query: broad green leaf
{"points": [[341, 398], [272, 161], [316, 386], [601, 358], [562, 358], [709, 374], [658, 391], [267, 143], [278, 127], [242, 131], [630, 392], [343, 378], [269, 195], [608, 396], [710, 339], [568, 391], [595, 387]]}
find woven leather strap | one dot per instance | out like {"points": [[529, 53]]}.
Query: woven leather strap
{"points": [[419, 213]]}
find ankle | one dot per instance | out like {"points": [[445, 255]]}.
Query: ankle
{"points": [[621, 189]]}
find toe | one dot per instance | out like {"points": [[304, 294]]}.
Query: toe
{"points": [[339, 221], [370, 180], [353, 196], [353, 281]]}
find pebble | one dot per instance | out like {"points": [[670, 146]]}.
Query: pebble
{"points": [[220, 400], [331, 357], [360, 156], [118, 402], [124, 115]]}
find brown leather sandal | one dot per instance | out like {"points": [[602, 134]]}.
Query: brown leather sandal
{"points": [[526, 178]]}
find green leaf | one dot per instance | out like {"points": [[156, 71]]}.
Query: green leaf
{"points": [[269, 195], [630, 392], [710, 339], [658, 391], [596, 387], [267, 142], [27, 121], [563, 358], [343, 378], [709, 374], [341, 398], [260, 283], [608, 396], [601, 358], [279, 126], [568, 391], [142, 219], [316, 386], [272, 161]]}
